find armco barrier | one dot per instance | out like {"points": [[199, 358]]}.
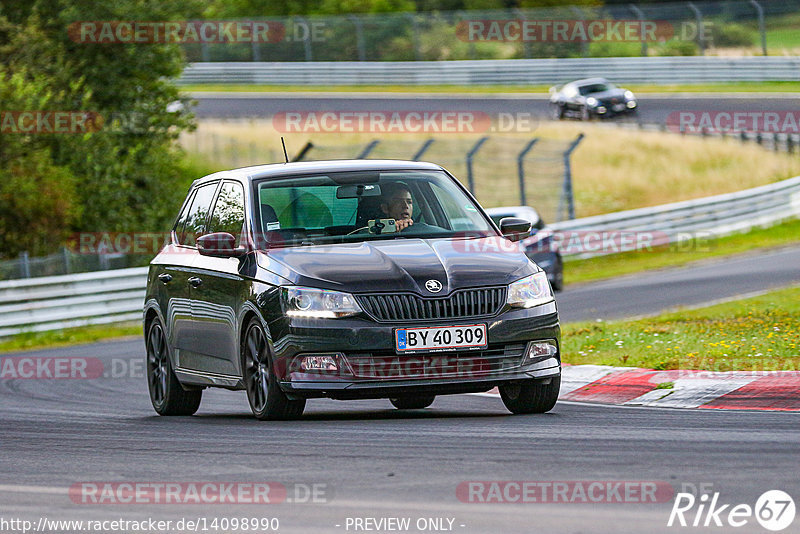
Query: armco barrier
{"points": [[55, 302], [50, 303], [655, 70], [712, 216]]}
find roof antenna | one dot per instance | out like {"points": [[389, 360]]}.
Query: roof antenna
{"points": [[285, 155]]}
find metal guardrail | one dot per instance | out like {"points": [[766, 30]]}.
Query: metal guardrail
{"points": [[705, 217], [56, 302], [655, 70]]}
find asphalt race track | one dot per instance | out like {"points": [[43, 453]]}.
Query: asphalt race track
{"points": [[653, 109], [375, 461], [370, 460], [667, 289]]}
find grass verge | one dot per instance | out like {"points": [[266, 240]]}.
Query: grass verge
{"points": [[69, 336], [731, 87], [677, 255], [754, 334]]}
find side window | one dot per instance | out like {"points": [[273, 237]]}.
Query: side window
{"points": [[228, 214], [197, 215], [181, 222]]}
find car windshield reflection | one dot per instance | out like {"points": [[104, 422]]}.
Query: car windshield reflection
{"points": [[346, 208]]}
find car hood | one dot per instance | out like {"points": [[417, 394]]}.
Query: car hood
{"points": [[401, 264]]}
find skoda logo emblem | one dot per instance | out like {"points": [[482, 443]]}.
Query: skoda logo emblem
{"points": [[433, 286]]}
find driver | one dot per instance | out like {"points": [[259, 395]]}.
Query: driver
{"points": [[397, 204]]}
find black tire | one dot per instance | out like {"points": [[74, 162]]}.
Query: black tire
{"points": [[412, 403], [556, 112], [264, 394], [530, 397], [166, 393], [558, 275]]}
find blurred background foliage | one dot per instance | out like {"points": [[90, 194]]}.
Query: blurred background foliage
{"points": [[129, 175]]}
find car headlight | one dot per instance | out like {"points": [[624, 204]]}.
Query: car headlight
{"points": [[629, 95], [591, 101], [319, 303], [530, 291]]}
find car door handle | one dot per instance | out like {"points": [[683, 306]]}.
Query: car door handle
{"points": [[164, 277], [195, 282]]}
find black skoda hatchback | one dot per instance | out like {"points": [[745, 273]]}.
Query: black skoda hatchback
{"points": [[347, 280]]}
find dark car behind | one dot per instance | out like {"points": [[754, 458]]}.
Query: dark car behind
{"points": [[539, 246], [591, 98]]}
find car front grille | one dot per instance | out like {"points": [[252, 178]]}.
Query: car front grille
{"points": [[461, 364], [462, 304]]}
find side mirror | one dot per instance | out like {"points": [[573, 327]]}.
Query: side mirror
{"points": [[515, 229], [219, 245]]}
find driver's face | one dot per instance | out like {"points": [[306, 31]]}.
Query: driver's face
{"points": [[399, 206]]}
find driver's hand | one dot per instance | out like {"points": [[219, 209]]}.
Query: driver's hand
{"points": [[402, 224]]}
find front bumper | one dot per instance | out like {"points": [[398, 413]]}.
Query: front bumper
{"points": [[357, 340], [611, 109], [375, 389]]}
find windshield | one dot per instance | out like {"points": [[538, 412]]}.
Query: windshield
{"points": [[595, 88], [361, 206]]}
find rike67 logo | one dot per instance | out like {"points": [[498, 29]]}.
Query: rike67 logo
{"points": [[774, 510]]}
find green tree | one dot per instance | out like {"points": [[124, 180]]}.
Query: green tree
{"points": [[38, 200], [129, 175]]}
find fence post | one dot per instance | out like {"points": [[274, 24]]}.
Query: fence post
{"points": [[256, 51], [521, 169], [761, 28], [462, 15], [415, 36], [24, 264], [640, 15], [367, 149], [307, 39], [526, 46], [701, 34], [567, 195], [470, 155], [362, 47], [584, 44], [303, 151], [67, 260], [424, 148]]}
